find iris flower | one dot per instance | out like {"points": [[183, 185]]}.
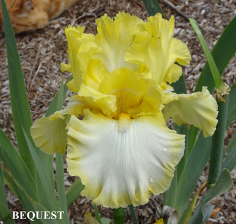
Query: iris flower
{"points": [[160, 221], [122, 149]]}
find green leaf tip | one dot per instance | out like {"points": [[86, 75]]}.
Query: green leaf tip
{"points": [[222, 88]]}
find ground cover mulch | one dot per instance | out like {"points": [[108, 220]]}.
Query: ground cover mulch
{"points": [[42, 51]]}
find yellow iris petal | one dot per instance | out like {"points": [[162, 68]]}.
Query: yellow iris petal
{"points": [[89, 219], [160, 221], [72, 86], [65, 67], [95, 74], [81, 47], [179, 52], [160, 29], [96, 100], [151, 103], [155, 49], [103, 90], [173, 73], [198, 109], [49, 133], [73, 35], [114, 37], [124, 84]]}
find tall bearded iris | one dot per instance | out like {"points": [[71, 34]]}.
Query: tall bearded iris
{"points": [[122, 149]]}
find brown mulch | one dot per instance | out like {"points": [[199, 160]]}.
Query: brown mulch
{"points": [[42, 51]]}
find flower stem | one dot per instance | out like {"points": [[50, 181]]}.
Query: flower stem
{"points": [[131, 208], [119, 216], [217, 144], [61, 187], [97, 216]]}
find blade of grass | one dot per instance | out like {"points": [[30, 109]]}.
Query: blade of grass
{"points": [[152, 7], [53, 105], [184, 131], [218, 137], [74, 191], [97, 215], [230, 160], [231, 144], [61, 187], [16, 165], [39, 207], [49, 191], [217, 144], [42, 196], [60, 98], [195, 164], [170, 194], [60, 167], [179, 86], [188, 212], [193, 131], [134, 217], [206, 212], [27, 201], [19, 192], [5, 213], [214, 70], [19, 102], [47, 160], [231, 106], [192, 136], [185, 188], [223, 184], [8, 179], [222, 53]]}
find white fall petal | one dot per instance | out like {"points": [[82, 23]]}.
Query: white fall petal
{"points": [[117, 167]]}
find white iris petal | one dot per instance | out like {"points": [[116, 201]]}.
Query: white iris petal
{"points": [[119, 168]]}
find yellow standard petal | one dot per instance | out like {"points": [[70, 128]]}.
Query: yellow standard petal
{"points": [[152, 101], [178, 52], [72, 86], [95, 74], [121, 162], [49, 133], [154, 48], [81, 48], [96, 100], [120, 91], [173, 73], [198, 109], [124, 84], [114, 37]]}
